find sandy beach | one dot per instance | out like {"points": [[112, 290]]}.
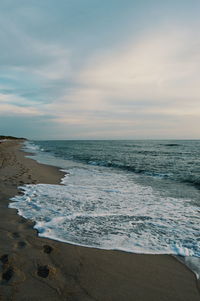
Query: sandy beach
{"points": [[34, 268]]}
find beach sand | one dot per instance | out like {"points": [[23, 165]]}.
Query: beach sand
{"points": [[34, 268]]}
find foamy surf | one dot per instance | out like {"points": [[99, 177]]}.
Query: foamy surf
{"points": [[110, 211]]}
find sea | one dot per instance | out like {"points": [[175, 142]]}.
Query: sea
{"points": [[139, 196]]}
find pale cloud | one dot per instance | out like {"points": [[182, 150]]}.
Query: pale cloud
{"points": [[12, 105], [13, 110], [56, 64], [158, 66], [156, 76], [141, 86]]}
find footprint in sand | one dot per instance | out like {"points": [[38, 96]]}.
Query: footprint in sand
{"points": [[8, 274], [47, 249], [4, 259], [15, 235], [21, 244], [43, 271], [8, 271]]}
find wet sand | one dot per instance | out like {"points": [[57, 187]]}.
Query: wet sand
{"points": [[34, 268]]}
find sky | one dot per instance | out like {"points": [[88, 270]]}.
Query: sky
{"points": [[100, 69]]}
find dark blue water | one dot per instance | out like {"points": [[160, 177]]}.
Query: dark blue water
{"points": [[176, 160]]}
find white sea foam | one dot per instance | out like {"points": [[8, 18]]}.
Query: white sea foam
{"points": [[105, 209], [30, 147]]}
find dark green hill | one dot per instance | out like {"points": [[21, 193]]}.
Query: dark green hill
{"points": [[11, 138]]}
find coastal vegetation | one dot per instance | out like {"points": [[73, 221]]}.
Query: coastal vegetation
{"points": [[11, 138]]}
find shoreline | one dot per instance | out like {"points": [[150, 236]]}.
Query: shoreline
{"points": [[35, 268]]}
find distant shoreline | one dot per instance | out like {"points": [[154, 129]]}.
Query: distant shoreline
{"points": [[11, 138]]}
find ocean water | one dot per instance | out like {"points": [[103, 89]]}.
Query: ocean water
{"points": [[136, 196]]}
